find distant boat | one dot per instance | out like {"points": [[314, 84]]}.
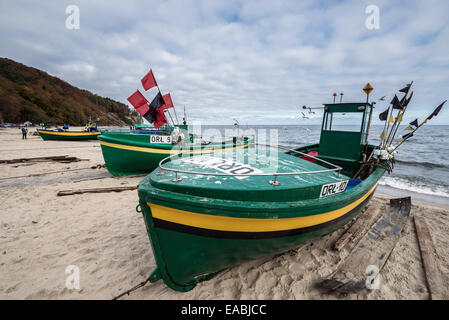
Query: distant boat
{"points": [[90, 132], [67, 135]]}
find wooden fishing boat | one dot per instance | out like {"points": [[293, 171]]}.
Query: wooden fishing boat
{"points": [[138, 152], [68, 135], [205, 213], [90, 132]]}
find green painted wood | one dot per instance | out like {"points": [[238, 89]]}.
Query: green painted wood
{"points": [[121, 161], [185, 259]]}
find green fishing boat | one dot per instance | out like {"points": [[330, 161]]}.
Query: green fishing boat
{"points": [[208, 212], [90, 132], [68, 135], [140, 151]]}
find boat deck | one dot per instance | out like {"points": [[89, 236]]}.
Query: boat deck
{"points": [[225, 183]]}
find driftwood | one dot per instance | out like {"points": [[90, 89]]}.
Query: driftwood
{"points": [[95, 190], [62, 159], [362, 267], [436, 281], [359, 228]]}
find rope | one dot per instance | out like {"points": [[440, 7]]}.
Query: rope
{"points": [[127, 292]]}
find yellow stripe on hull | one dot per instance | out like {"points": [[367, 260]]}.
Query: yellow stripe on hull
{"points": [[221, 223], [165, 151], [76, 134]]}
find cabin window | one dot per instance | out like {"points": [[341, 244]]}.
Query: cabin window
{"points": [[343, 121]]}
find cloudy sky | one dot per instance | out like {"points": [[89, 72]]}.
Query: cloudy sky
{"points": [[256, 61]]}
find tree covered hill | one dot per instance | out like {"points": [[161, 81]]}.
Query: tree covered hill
{"points": [[29, 94]]}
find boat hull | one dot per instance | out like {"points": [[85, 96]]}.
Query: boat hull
{"points": [[67, 135], [127, 157], [191, 243]]}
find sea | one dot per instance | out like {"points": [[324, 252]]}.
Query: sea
{"points": [[422, 163]]}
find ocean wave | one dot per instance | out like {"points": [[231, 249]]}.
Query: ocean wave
{"points": [[422, 164], [399, 183]]}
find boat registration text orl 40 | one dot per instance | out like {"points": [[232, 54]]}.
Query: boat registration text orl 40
{"points": [[333, 188], [160, 139]]}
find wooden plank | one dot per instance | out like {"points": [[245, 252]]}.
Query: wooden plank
{"points": [[371, 253], [436, 281], [95, 190], [358, 228], [63, 159]]}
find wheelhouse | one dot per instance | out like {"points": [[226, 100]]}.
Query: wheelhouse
{"points": [[344, 133]]}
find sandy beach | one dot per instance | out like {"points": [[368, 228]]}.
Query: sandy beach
{"points": [[42, 234]]}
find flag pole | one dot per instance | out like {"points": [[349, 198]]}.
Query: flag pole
{"points": [[387, 142], [174, 110], [433, 114], [390, 114], [385, 127], [400, 113], [167, 109], [400, 116]]}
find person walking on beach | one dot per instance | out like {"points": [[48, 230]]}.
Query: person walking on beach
{"points": [[24, 133]]}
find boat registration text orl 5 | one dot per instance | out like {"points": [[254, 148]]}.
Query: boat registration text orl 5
{"points": [[333, 188]]}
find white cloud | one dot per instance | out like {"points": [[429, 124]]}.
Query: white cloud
{"points": [[258, 61]]}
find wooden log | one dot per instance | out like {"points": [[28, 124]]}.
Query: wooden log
{"points": [[361, 268], [436, 281], [359, 228], [95, 190], [63, 159]]}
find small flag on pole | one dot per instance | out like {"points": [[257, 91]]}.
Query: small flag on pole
{"points": [[395, 100], [408, 100], [414, 123], [160, 118], [139, 102], [167, 101], [406, 88], [396, 103], [391, 120], [157, 102], [149, 81], [436, 111], [409, 128], [384, 115], [382, 135]]}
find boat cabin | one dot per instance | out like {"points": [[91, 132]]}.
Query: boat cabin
{"points": [[344, 133]]}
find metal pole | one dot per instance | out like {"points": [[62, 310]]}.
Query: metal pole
{"points": [[177, 121]]}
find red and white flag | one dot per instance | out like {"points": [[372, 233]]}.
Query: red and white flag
{"points": [[139, 102], [148, 81]]}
